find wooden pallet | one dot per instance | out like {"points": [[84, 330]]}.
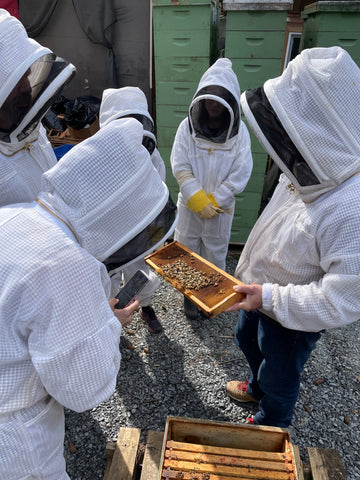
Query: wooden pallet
{"points": [[127, 459]]}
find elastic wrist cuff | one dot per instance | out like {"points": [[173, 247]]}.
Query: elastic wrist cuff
{"points": [[267, 296], [212, 200]]}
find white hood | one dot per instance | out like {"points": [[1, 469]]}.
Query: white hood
{"points": [[220, 74], [47, 74], [122, 102], [106, 188], [308, 119]]}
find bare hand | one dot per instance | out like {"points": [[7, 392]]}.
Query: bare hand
{"points": [[252, 299], [124, 315]]}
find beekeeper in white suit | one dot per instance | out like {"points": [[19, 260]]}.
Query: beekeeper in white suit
{"points": [[59, 342], [212, 162], [301, 262], [31, 77], [131, 102]]}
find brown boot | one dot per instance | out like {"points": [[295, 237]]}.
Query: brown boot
{"points": [[238, 391]]}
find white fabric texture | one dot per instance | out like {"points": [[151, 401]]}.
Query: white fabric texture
{"points": [[18, 55], [305, 247], [221, 170], [220, 74], [121, 102], [310, 254], [21, 162], [59, 343], [318, 80], [117, 103], [59, 337], [20, 173], [123, 195]]}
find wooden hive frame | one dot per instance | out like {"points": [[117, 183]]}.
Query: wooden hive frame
{"points": [[212, 299], [196, 449]]}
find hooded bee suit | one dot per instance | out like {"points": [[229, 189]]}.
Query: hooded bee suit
{"points": [[131, 102], [211, 168], [59, 341], [31, 77], [305, 247]]}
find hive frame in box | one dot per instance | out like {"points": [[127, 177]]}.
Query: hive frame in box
{"points": [[212, 299], [196, 448]]}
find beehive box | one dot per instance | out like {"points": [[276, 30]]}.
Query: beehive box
{"points": [[207, 286], [195, 449]]}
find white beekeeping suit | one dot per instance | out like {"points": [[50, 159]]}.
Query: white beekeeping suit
{"points": [[305, 247], [59, 343], [131, 102], [31, 76], [211, 166]]}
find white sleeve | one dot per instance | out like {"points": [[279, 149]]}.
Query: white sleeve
{"points": [[159, 164], [333, 300], [180, 161], [74, 342], [240, 172]]}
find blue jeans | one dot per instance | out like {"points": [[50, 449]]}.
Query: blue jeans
{"points": [[276, 357]]}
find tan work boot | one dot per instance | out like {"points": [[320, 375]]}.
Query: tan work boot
{"points": [[238, 391]]}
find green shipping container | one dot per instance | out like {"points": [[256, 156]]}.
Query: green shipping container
{"points": [[332, 23]]}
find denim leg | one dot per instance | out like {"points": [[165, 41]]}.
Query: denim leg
{"points": [[246, 337], [285, 353]]}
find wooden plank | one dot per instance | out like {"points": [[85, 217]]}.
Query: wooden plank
{"points": [[298, 463], [326, 464], [224, 434], [236, 452], [109, 452], [237, 472], [167, 474], [151, 463], [124, 458], [234, 461]]}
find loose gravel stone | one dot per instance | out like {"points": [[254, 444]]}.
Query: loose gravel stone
{"points": [[185, 372]]}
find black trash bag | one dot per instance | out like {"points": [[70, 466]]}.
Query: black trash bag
{"points": [[59, 106], [81, 112], [52, 122]]}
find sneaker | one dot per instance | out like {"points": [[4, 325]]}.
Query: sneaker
{"points": [[191, 310], [250, 421], [238, 391], [151, 320]]}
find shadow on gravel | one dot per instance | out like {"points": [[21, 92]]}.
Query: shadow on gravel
{"points": [[83, 437]]}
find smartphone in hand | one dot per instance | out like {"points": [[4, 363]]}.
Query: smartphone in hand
{"points": [[131, 289]]}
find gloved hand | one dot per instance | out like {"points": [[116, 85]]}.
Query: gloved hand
{"points": [[209, 211]]}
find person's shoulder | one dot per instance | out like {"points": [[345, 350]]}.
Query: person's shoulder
{"points": [[340, 205]]}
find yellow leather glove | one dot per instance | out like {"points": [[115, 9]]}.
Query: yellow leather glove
{"points": [[198, 201]]}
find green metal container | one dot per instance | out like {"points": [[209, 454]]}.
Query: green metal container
{"points": [[329, 23], [254, 42], [185, 45]]}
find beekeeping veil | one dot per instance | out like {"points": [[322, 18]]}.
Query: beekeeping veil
{"points": [[308, 119], [31, 77], [128, 102], [218, 83], [110, 194]]}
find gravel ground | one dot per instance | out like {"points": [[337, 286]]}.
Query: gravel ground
{"points": [[183, 372]]}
